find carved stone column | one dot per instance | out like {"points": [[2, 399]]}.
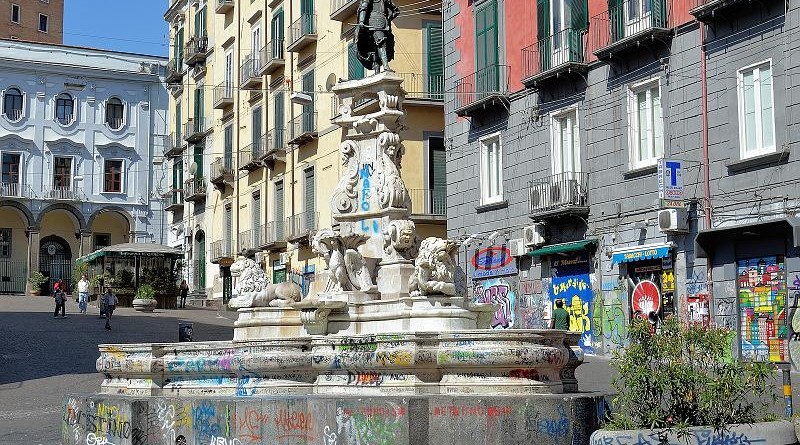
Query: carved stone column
{"points": [[86, 242], [33, 253]]}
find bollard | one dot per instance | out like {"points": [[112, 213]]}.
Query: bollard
{"points": [[184, 332], [786, 368]]}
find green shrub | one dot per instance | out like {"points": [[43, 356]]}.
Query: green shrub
{"points": [[683, 376], [36, 280], [145, 292]]}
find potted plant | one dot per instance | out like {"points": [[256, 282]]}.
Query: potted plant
{"points": [[680, 384], [144, 300], [36, 280]]}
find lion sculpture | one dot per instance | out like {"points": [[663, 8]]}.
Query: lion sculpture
{"points": [[434, 268], [253, 288]]}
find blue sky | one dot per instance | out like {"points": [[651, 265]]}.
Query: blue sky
{"points": [[136, 26]]}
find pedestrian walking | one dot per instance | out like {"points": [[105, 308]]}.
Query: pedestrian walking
{"points": [[83, 294], [560, 318], [184, 293], [110, 302], [60, 299]]}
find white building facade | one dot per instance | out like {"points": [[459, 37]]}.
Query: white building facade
{"points": [[81, 139]]}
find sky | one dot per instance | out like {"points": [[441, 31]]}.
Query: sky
{"points": [[136, 26]]}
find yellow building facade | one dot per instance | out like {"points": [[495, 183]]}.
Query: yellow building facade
{"points": [[255, 154]]}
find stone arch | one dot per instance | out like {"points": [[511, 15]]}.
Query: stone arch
{"points": [[24, 211], [124, 213], [61, 206]]}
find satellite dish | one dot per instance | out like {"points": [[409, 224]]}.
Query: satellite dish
{"points": [[330, 82], [193, 168]]}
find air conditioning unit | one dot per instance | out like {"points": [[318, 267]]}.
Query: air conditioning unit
{"points": [[284, 258], [533, 235], [517, 247], [673, 220]]}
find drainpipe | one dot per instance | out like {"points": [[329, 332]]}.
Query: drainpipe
{"points": [[291, 130], [706, 181], [236, 120]]}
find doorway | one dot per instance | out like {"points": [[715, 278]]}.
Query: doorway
{"points": [[55, 262]]}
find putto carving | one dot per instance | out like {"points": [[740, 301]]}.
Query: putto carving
{"points": [[254, 290], [346, 192], [392, 190], [400, 240], [347, 267], [434, 268]]}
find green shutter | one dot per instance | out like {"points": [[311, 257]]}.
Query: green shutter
{"points": [[198, 159], [277, 27], [227, 160], [279, 119], [310, 199], [435, 59], [178, 124], [177, 174], [279, 209], [616, 10], [256, 218], [542, 19], [200, 22], [179, 49], [579, 15], [308, 109], [486, 48], [257, 125], [355, 70], [228, 241]]}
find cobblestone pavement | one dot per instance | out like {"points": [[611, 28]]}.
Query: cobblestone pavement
{"points": [[42, 359]]}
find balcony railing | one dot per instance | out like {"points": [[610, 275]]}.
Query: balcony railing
{"points": [[249, 74], [428, 201], [273, 235], [272, 56], [64, 194], [16, 190], [174, 71], [275, 148], [246, 241], [224, 6], [424, 87], [195, 189], [173, 200], [304, 128], [627, 25], [221, 249], [481, 89], [301, 225], [222, 170], [342, 9], [560, 193], [195, 50], [195, 129], [302, 32], [250, 156], [173, 145], [559, 53], [223, 95]]}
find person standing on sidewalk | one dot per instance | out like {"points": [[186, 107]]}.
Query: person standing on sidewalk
{"points": [[184, 293], [560, 317], [83, 293], [60, 298], [110, 301]]}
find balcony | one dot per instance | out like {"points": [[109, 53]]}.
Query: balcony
{"points": [[301, 226], [250, 156], [173, 200], [275, 149], [482, 90], [249, 76], [173, 145], [428, 202], [558, 55], [304, 128], [221, 249], [195, 50], [627, 26], [195, 189], [174, 72], [16, 190], [223, 96], [246, 245], [222, 171], [706, 10], [423, 88], [273, 236], [272, 57], [342, 9], [224, 6], [195, 130], [63, 194], [302, 32], [559, 195]]}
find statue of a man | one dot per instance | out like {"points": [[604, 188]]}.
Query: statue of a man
{"points": [[374, 38]]}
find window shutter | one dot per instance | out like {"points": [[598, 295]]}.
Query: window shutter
{"points": [[435, 59], [355, 70], [178, 124], [579, 15], [227, 160], [310, 199], [616, 11], [257, 217], [308, 109], [198, 159], [542, 19], [279, 209]]}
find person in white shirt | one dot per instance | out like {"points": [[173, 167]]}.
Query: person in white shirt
{"points": [[83, 293]]}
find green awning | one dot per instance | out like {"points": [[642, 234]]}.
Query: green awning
{"points": [[133, 250], [573, 246]]}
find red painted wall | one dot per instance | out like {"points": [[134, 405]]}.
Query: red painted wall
{"points": [[520, 28], [465, 44]]}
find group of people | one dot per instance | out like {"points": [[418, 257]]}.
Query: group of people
{"points": [[108, 301]]}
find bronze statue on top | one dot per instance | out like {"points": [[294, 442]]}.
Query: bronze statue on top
{"points": [[374, 38]]}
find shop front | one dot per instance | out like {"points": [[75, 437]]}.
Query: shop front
{"points": [[649, 273], [495, 280]]}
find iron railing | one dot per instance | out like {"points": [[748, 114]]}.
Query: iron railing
{"points": [[304, 126], [249, 74], [220, 249], [223, 94], [174, 71], [13, 276], [428, 201], [273, 232], [194, 129], [15, 190], [272, 56], [195, 188], [302, 28], [173, 144], [173, 200], [195, 50], [276, 141], [222, 169], [341, 9], [626, 19], [246, 241], [562, 48], [302, 224], [427, 87], [250, 156], [559, 191], [482, 84], [13, 114], [64, 193]]}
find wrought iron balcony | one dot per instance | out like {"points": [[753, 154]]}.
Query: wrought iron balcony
{"points": [[274, 235], [174, 71], [302, 32], [173, 145], [554, 56], [250, 156], [195, 189], [275, 149], [304, 128], [224, 6], [16, 190], [563, 193], [173, 200], [223, 95], [428, 201], [63, 193], [423, 87], [301, 226], [628, 25], [221, 249], [272, 56], [195, 50], [342, 9], [706, 10], [249, 76], [246, 242], [482, 89], [222, 170], [195, 129]]}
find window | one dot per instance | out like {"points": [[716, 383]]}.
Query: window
{"points": [[15, 13], [101, 240], [279, 210], [227, 148], [198, 161], [42, 23], [257, 131], [229, 72], [65, 109], [177, 174], [177, 54], [5, 243], [437, 176], [255, 43], [566, 145], [435, 60], [276, 29], [114, 111], [256, 214], [756, 111], [486, 47], [62, 173], [12, 104], [355, 70], [228, 241], [491, 169], [310, 200], [308, 123], [200, 22], [646, 125], [10, 169], [112, 176]]}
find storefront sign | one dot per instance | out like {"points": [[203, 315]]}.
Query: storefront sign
{"points": [[492, 262], [670, 183], [570, 283], [641, 253], [646, 301]]}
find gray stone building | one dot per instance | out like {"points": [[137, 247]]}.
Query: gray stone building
{"points": [[569, 132]]}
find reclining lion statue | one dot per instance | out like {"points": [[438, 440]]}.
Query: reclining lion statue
{"points": [[434, 268], [253, 288]]}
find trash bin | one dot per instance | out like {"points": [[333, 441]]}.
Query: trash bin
{"points": [[184, 331]]}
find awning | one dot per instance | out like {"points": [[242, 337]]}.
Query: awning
{"points": [[573, 246], [707, 240], [132, 250], [640, 253]]}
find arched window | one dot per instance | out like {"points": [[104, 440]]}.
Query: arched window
{"points": [[114, 111], [12, 104], [65, 109]]}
